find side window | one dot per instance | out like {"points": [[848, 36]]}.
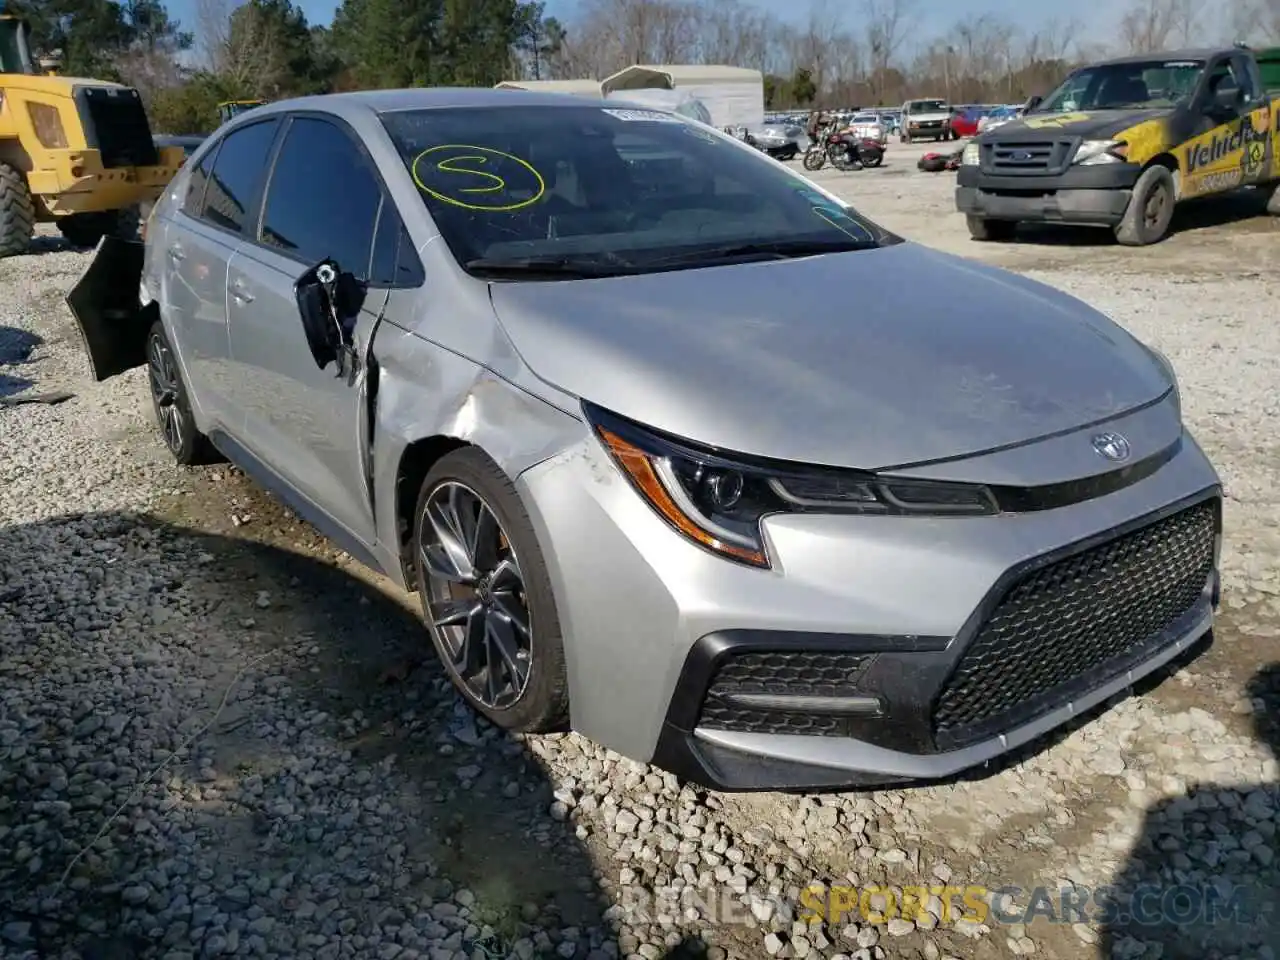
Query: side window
{"points": [[1250, 77], [323, 199], [237, 172], [193, 202], [395, 263]]}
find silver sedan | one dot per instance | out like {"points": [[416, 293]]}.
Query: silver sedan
{"points": [[538, 359]]}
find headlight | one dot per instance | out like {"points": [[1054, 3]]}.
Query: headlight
{"points": [[1092, 152], [971, 154], [718, 499], [48, 126]]}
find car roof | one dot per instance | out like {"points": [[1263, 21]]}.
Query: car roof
{"points": [[1191, 53], [426, 98]]}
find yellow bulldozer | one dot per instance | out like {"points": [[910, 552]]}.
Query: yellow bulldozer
{"points": [[77, 153]]}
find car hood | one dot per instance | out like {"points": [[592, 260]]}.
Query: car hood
{"points": [[1088, 125], [930, 115], [772, 359]]}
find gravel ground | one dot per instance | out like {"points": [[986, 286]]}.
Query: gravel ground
{"points": [[216, 740]]}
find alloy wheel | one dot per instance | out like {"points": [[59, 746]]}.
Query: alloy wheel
{"points": [[164, 391], [476, 601]]}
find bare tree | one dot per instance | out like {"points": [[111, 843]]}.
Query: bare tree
{"points": [[1148, 25], [886, 27], [1257, 19], [213, 27]]}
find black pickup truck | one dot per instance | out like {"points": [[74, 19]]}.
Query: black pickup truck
{"points": [[1119, 143]]}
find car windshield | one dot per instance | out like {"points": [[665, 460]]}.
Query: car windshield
{"points": [[1118, 86], [866, 118], [601, 190], [927, 106]]}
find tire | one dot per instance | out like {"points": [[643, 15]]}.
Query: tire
{"points": [[874, 161], [172, 403], [1273, 201], [991, 231], [17, 212], [1146, 220], [814, 159], [542, 704], [86, 229]]}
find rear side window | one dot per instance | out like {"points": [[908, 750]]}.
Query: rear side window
{"points": [[237, 173], [323, 199]]}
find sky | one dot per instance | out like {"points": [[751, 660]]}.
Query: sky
{"points": [[931, 17]]}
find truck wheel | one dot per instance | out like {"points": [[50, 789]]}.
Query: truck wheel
{"points": [[86, 229], [995, 231], [1150, 210], [1273, 202], [17, 212]]}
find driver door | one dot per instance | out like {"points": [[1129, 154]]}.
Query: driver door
{"points": [[323, 200], [1213, 160]]}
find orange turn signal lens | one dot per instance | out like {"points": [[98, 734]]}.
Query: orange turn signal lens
{"points": [[639, 468]]}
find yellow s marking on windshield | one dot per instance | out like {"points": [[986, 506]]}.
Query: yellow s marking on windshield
{"points": [[450, 159], [1061, 120], [448, 167]]}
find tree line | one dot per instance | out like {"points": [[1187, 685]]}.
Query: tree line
{"points": [[856, 52]]}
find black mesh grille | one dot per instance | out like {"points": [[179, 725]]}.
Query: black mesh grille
{"points": [[803, 673], [117, 125], [1069, 626]]}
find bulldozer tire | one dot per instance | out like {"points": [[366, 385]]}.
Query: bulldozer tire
{"points": [[17, 212], [86, 229]]}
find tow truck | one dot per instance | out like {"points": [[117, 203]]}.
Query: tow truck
{"points": [[1120, 143]]}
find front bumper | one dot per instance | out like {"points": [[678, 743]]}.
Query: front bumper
{"points": [[889, 619], [1097, 195]]}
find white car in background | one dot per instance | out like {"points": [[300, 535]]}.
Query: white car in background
{"points": [[869, 126]]}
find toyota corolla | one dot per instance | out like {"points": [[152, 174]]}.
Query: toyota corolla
{"points": [[538, 359]]}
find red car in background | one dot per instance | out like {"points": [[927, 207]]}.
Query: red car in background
{"points": [[964, 122]]}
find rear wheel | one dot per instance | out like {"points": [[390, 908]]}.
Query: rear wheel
{"points": [[86, 229], [1273, 202], [1150, 211], [17, 212], [172, 404], [995, 231], [486, 594]]}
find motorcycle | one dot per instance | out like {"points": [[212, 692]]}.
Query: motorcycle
{"points": [[844, 152]]}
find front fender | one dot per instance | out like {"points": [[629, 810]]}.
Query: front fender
{"points": [[428, 393]]}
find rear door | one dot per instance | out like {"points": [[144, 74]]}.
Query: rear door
{"points": [[1259, 123], [324, 200], [197, 247]]}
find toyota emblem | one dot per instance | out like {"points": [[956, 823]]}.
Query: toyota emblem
{"points": [[1022, 155], [1111, 446]]}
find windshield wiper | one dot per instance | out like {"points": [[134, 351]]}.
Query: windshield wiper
{"points": [[772, 250], [559, 267]]}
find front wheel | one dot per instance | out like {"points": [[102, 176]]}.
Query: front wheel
{"points": [[814, 158], [995, 231], [1150, 211], [486, 594]]}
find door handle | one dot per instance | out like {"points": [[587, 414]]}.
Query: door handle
{"points": [[240, 294]]}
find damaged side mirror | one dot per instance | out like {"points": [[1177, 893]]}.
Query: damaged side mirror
{"points": [[329, 301]]}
